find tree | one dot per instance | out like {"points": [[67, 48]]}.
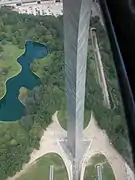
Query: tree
{"points": [[1, 49]]}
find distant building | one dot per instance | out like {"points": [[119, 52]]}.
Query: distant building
{"points": [[35, 7]]}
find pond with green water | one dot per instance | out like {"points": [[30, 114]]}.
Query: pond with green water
{"points": [[11, 108]]}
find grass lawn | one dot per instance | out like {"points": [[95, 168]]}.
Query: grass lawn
{"points": [[37, 67], [9, 66], [40, 170], [62, 117], [91, 170]]}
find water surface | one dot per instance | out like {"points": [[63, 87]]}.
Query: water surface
{"points": [[11, 108]]}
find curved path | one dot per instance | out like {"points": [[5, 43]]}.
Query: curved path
{"points": [[49, 143], [100, 144]]}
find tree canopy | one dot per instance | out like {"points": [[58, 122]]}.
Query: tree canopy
{"points": [[18, 139]]}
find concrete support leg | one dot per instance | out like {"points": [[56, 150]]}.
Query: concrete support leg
{"points": [[76, 33]]}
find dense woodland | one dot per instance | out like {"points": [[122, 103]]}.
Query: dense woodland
{"points": [[111, 120], [18, 139]]}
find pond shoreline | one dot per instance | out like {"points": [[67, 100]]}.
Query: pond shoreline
{"points": [[24, 78]]}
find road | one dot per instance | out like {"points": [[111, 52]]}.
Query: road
{"points": [[100, 68]]}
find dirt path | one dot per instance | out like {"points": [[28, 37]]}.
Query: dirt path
{"points": [[49, 143], [100, 144], [100, 68]]}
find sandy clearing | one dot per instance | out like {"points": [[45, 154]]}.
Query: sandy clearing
{"points": [[100, 144], [49, 143]]}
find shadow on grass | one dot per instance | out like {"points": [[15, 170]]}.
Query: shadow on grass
{"points": [[62, 117]]}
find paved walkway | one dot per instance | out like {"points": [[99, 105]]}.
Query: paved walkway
{"points": [[100, 144], [100, 68], [49, 143]]}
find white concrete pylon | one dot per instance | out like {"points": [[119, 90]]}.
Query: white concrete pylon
{"points": [[76, 33]]}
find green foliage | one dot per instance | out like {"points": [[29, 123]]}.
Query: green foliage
{"points": [[40, 170], [13, 142], [18, 28], [14, 147], [19, 139], [1, 49], [8, 64], [111, 120], [91, 170]]}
